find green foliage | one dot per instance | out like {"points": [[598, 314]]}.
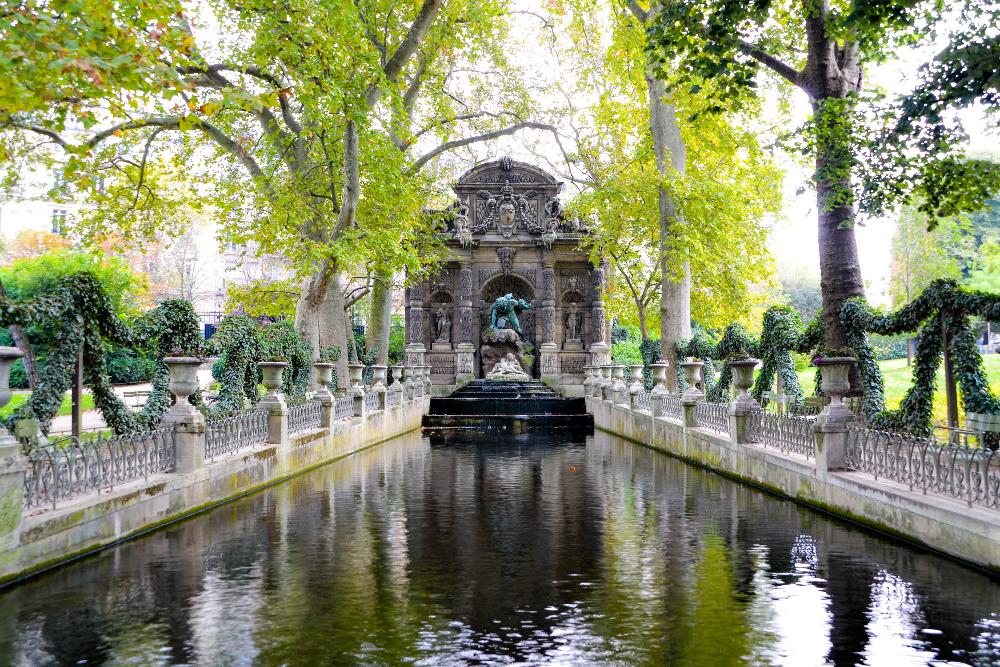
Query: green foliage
{"points": [[240, 350], [280, 340], [942, 304], [263, 298], [397, 341], [128, 366], [80, 313]]}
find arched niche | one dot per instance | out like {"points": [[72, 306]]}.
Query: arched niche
{"points": [[500, 285]]}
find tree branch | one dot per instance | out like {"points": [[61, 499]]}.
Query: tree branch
{"points": [[638, 12], [418, 29], [486, 136], [775, 64]]}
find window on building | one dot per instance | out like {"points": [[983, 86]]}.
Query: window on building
{"points": [[58, 220]]}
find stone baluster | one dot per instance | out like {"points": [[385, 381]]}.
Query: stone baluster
{"points": [[428, 384], [637, 386], [397, 387], [357, 392], [743, 403], [274, 402], [409, 388], [693, 395], [379, 379], [659, 392], [187, 420], [12, 462], [324, 376], [830, 430], [588, 379], [619, 390]]}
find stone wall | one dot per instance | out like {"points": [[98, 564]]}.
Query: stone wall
{"points": [[89, 523], [943, 524]]}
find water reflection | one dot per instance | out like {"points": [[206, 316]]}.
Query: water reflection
{"points": [[506, 552]]}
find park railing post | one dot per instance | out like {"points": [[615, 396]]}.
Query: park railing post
{"points": [[378, 385], [693, 395], [187, 421], [12, 462], [606, 383], [357, 392], [743, 404], [397, 387], [273, 402], [659, 391], [619, 390], [830, 429], [324, 376]]}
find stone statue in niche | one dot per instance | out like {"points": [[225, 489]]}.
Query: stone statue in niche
{"points": [[551, 232], [503, 313], [553, 209], [574, 322], [508, 369], [463, 228], [442, 326]]}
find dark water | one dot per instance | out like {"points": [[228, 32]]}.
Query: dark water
{"points": [[497, 553]]}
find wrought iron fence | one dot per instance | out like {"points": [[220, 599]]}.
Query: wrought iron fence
{"points": [[304, 417], [392, 398], [672, 407], [343, 407], [225, 436], [70, 468], [789, 434], [373, 402], [714, 416], [971, 474], [642, 402]]}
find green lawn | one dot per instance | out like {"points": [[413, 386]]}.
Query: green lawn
{"points": [[66, 408], [898, 377]]}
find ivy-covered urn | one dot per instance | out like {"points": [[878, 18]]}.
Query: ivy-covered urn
{"points": [[692, 375], [743, 380], [183, 377], [8, 355], [835, 382], [271, 373]]}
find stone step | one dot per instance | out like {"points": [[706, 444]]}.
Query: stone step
{"points": [[507, 406]]}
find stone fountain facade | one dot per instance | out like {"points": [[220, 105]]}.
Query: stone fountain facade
{"points": [[506, 234]]}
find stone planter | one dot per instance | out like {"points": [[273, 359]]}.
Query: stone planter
{"points": [[835, 373], [743, 380], [271, 374], [355, 371], [427, 379], [397, 376], [660, 376], [692, 375], [324, 373], [638, 382], [379, 377], [183, 377], [8, 355]]}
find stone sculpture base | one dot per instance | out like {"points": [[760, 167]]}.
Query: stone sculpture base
{"points": [[497, 343]]}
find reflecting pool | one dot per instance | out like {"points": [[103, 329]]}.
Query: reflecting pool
{"points": [[499, 552]]}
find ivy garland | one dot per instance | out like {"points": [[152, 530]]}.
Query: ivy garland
{"points": [[783, 334], [81, 313], [240, 350], [281, 340], [943, 305]]}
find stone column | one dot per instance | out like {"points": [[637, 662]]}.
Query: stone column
{"points": [[743, 404], [465, 349], [600, 347], [830, 430], [324, 375], [187, 420], [12, 463], [549, 349], [274, 403], [415, 348]]}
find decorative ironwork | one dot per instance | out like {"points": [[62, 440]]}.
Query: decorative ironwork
{"points": [[343, 407], [789, 434], [373, 402], [225, 436], [968, 473], [714, 416], [673, 408], [642, 402], [70, 468], [305, 417]]}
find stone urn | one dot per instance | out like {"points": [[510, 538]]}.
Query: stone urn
{"points": [[638, 382], [692, 375], [355, 371], [427, 378], [183, 377], [397, 376], [743, 380], [660, 376], [835, 382], [8, 355], [324, 376], [271, 375], [588, 379], [379, 377]]}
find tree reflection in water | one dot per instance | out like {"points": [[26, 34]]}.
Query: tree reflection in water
{"points": [[506, 550]]}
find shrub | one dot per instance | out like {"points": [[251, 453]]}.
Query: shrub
{"points": [[127, 366]]}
